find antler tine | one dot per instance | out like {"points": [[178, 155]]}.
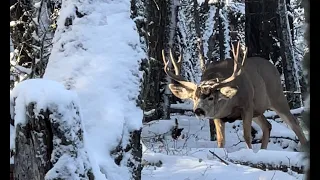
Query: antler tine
{"points": [[235, 66], [244, 55], [235, 54], [235, 73], [167, 70], [235, 57], [166, 63], [174, 63], [176, 76]]}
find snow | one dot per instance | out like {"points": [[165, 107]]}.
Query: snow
{"points": [[186, 106], [43, 92], [269, 157], [188, 39], [196, 135], [213, 1], [201, 1], [209, 28], [67, 160], [225, 22], [11, 47], [12, 141], [189, 168], [237, 7], [98, 58], [189, 156]]}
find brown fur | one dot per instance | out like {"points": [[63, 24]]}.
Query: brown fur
{"points": [[256, 89]]}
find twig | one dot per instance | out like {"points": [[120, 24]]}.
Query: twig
{"points": [[273, 175], [226, 163]]}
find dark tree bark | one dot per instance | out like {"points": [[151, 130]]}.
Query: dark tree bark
{"points": [[261, 36], [44, 140], [133, 150], [260, 27], [29, 140], [157, 22], [152, 21], [213, 134], [287, 56]]}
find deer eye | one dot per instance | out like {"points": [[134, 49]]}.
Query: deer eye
{"points": [[217, 90], [210, 98]]}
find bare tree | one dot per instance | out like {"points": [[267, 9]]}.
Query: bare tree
{"points": [[32, 25]]}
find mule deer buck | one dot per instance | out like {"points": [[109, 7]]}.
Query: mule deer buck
{"points": [[230, 90]]}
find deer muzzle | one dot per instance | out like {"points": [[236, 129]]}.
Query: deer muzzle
{"points": [[199, 112]]}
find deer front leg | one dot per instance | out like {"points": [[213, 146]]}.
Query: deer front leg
{"points": [[220, 129], [247, 121]]}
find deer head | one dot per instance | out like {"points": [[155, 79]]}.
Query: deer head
{"points": [[210, 98]]}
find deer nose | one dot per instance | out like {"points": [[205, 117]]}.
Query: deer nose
{"points": [[199, 112]]}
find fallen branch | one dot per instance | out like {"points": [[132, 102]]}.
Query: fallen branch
{"points": [[268, 160], [225, 162], [266, 166]]}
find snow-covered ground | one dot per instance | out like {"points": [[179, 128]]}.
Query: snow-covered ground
{"points": [[191, 168], [189, 158]]}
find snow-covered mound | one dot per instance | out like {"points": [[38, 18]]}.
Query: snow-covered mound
{"points": [[190, 168]]}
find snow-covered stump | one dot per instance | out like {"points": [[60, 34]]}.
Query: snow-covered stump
{"points": [[49, 134]]}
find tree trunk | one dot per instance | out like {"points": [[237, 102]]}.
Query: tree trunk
{"points": [[151, 20], [287, 55], [32, 141], [136, 154], [213, 134], [44, 143], [260, 24]]}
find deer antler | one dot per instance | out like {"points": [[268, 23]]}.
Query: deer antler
{"points": [[177, 65], [236, 70], [236, 64]]}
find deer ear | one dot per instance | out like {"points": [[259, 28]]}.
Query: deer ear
{"points": [[180, 91], [228, 91]]}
